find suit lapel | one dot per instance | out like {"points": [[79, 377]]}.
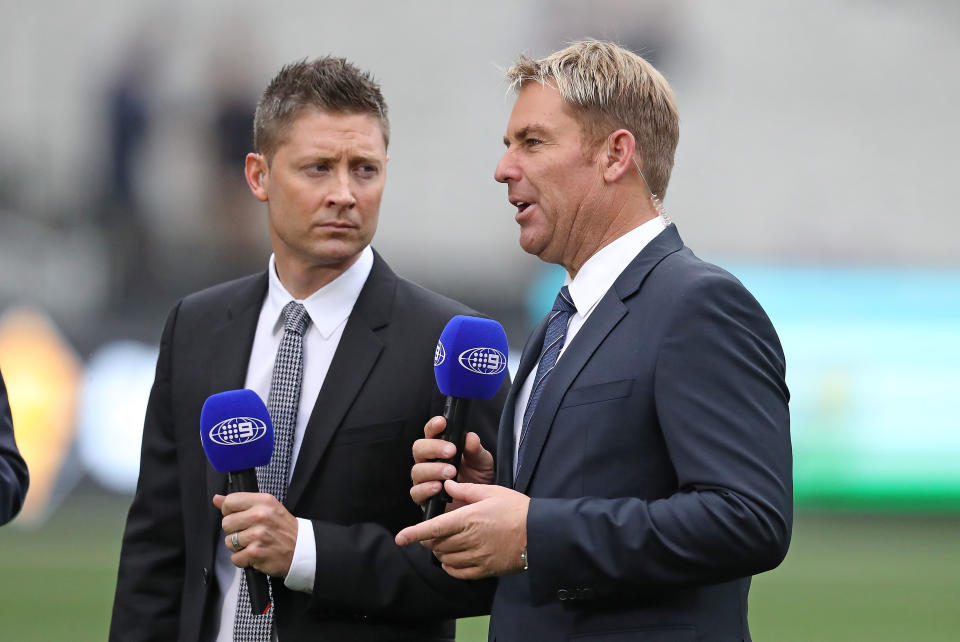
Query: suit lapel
{"points": [[230, 346], [609, 311], [354, 359], [606, 315], [505, 436]]}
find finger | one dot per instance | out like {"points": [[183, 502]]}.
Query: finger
{"points": [[460, 559], [452, 545], [218, 500], [467, 573], [231, 545], [475, 455], [237, 502], [432, 471], [422, 492], [264, 511], [434, 427], [236, 522], [425, 450], [441, 526], [241, 559], [469, 493]]}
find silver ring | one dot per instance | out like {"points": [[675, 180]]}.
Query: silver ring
{"points": [[236, 542]]}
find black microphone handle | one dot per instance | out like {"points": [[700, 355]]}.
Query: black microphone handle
{"points": [[245, 481], [455, 412]]}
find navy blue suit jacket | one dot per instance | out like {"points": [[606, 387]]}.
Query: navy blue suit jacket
{"points": [[658, 463], [13, 471]]}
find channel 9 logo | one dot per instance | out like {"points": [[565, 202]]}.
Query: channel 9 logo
{"points": [[486, 361], [237, 431]]}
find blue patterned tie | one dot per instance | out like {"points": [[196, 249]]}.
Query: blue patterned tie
{"points": [[283, 404], [552, 344]]}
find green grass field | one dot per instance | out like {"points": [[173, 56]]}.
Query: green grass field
{"points": [[847, 578]]}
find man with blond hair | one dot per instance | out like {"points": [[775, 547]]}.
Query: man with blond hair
{"points": [[644, 462]]}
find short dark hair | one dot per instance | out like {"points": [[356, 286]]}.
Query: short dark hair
{"points": [[329, 84]]}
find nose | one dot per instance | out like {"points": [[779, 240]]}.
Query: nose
{"points": [[507, 170], [341, 194]]}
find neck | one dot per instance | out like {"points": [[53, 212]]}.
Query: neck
{"points": [[621, 213], [303, 280]]}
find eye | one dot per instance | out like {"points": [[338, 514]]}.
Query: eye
{"points": [[318, 168], [532, 142], [367, 170]]}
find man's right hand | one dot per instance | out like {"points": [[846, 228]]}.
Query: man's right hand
{"points": [[476, 465]]}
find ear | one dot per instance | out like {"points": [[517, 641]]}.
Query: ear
{"points": [[618, 155], [257, 173]]}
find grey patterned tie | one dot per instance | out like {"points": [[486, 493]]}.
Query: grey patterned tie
{"points": [[283, 404], [552, 344]]}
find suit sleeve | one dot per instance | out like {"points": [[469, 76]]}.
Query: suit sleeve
{"points": [[14, 478], [386, 580], [150, 577], [721, 402]]}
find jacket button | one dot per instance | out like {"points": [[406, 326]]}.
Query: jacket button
{"points": [[205, 574], [563, 594]]}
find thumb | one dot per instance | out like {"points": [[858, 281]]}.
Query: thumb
{"points": [[468, 493], [475, 454]]}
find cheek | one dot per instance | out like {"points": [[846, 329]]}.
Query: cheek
{"points": [[369, 198]]}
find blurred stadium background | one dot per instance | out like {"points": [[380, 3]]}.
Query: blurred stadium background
{"points": [[816, 162]]}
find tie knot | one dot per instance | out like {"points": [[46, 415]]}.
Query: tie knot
{"points": [[295, 318], [564, 303]]}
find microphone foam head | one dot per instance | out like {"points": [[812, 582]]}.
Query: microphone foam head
{"points": [[236, 431], [471, 358]]}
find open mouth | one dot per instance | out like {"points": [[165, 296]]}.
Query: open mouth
{"points": [[520, 205]]}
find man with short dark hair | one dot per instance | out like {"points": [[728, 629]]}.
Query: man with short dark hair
{"points": [[644, 461], [340, 348], [14, 478]]}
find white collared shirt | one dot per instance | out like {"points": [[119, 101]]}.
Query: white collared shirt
{"points": [[329, 308], [594, 279]]}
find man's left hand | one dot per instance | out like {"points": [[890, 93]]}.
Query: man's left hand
{"points": [[266, 531], [483, 538]]}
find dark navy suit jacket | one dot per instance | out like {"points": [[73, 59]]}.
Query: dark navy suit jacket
{"points": [[658, 463], [13, 471]]}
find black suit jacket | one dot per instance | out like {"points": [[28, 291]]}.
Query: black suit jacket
{"points": [[13, 470], [658, 463], [352, 476]]}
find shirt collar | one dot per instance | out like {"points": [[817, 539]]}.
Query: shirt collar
{"points": [[329, 306], [603, 268]]}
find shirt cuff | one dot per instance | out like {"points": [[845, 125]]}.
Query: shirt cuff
{"points": [[303, 568]]}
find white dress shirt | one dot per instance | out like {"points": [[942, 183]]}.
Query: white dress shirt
{"points": [[329, 308], [592, 281]]}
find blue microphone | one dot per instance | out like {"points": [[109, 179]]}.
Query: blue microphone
{"points": [[470, 362], [237, 436]]}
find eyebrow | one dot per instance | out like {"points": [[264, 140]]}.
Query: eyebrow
{"points": [[364, 158], [523, 132], [359, 157]]}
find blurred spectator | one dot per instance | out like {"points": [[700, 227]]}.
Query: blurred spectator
{"points": [[128, 125]]}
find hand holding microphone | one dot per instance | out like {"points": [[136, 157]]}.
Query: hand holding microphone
{"points": [[237, 436], [470, 362]]}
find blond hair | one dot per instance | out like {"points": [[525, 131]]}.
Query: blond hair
{"points": [[611, 88]]}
